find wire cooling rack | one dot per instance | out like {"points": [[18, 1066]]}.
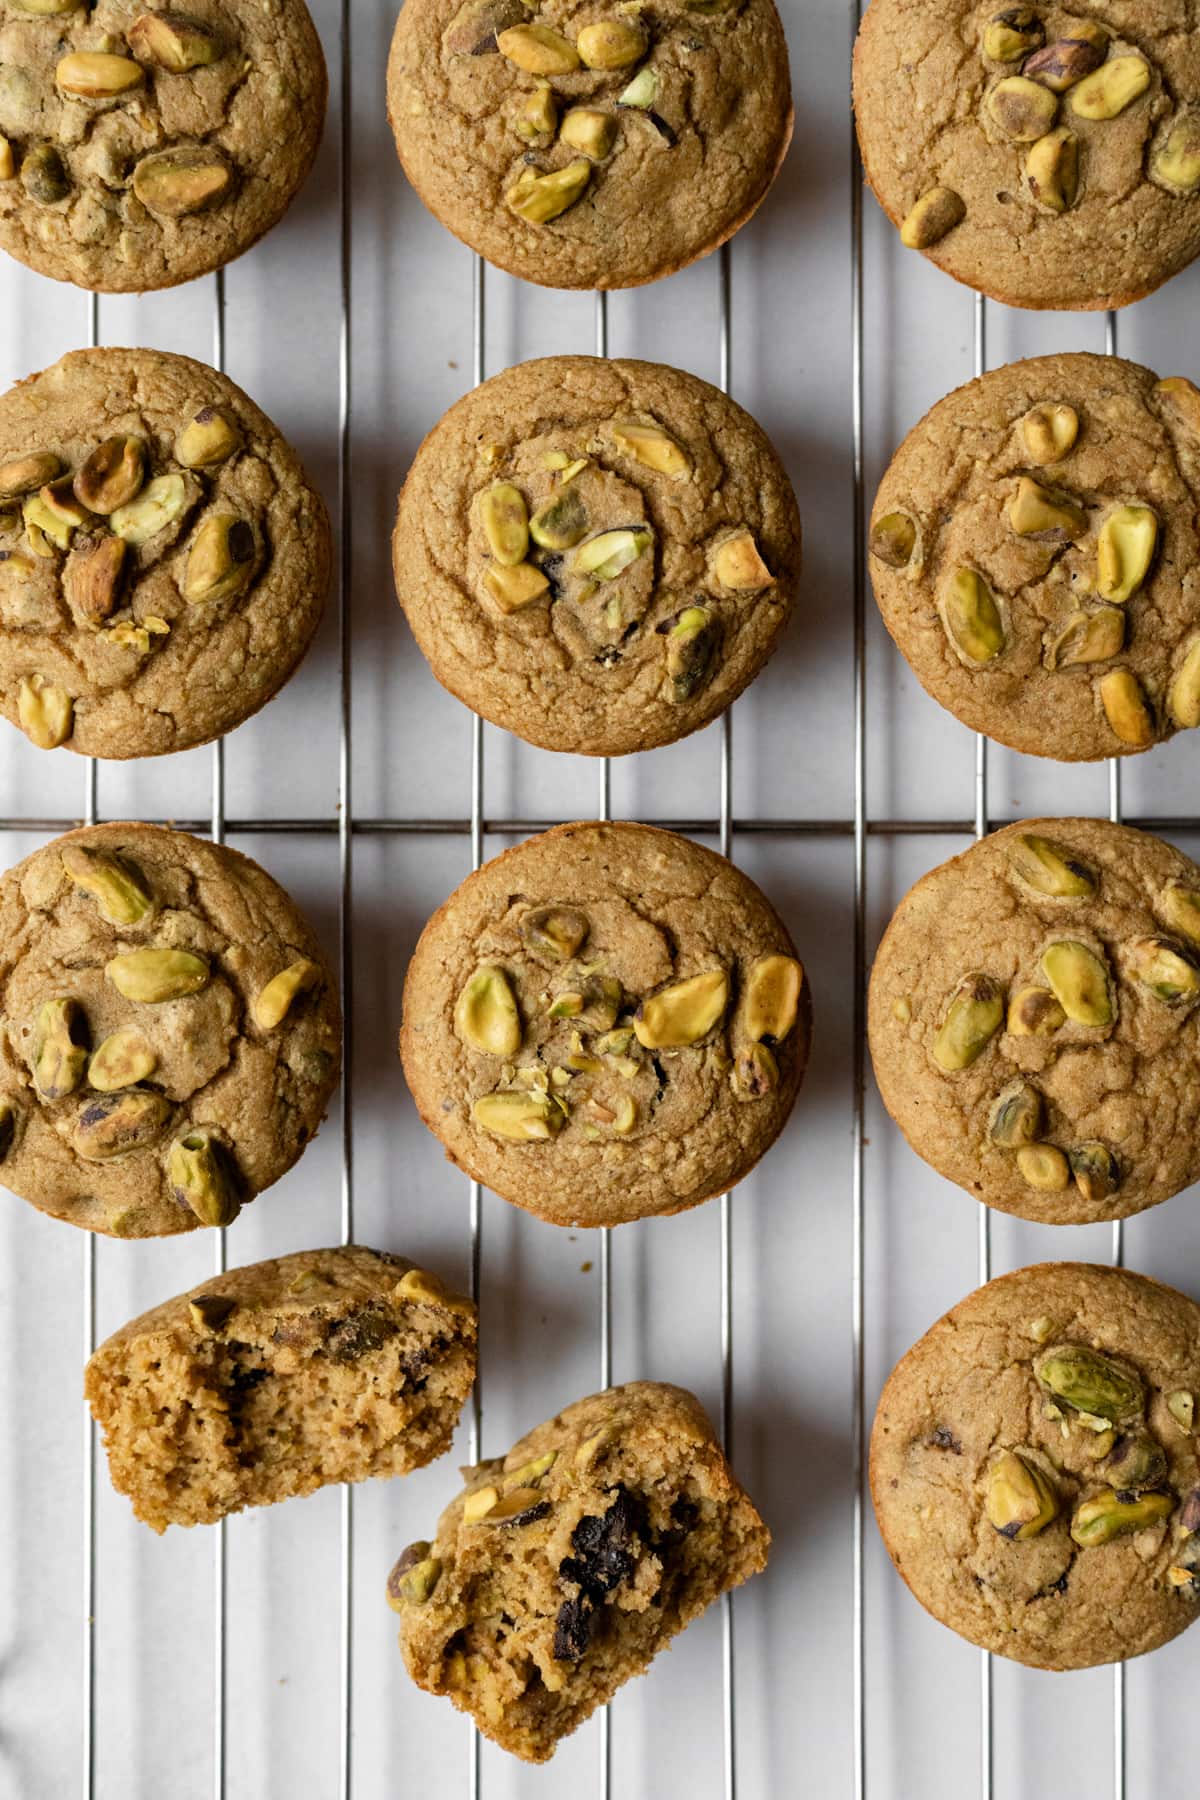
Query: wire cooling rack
{"points": [[257, 1659]]}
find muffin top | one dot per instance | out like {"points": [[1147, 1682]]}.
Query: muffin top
{"points": [[169, 1031], [598, 555], [144, 146], [1035, 553], [1034, 1020], [1048, 155], [604, 1023], [1034, 1466], [580, 146]]}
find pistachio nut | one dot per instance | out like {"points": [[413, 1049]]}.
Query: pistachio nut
{"points": [[122, 1060], [1096, 1171], [1044, 1167], [1036, 512], [1136, 1463], [45, 710], [25, 474], [935, 214], [693, 640], [1049, 431], [515, 588], [46, 9], [1175, 159], [8, 1125], [273, 1002], [1182, 1407], [173, 41], [1124, 552], [414, 1578], [1034, 1012], [1183, 700], [56, 1057], [201, 1177], [535, 117], [651, 446], [893, 538], [8, 162], [772, 998], [971, 618], [1180, 907], [1106, 1516], [210, 1312], [1171, 972], [183, 180], [605, 556], [755, 1072], [1181, 400], [520, 1506], [561, 522], [1080, 982], [486, 1015], [44, 175], [1024, 110], [157, 506], [1087, 637], [1126, 708], [537, 49], [1050, 868], [530, 1472], [555, 931], [601, 998], [151, 976], [98, 75], [1088, 1381], [209, 437], [44, 526], [683, 1013], [1115, 85], [589, 130], [113, 883], [220, 560], [612, 43], [1066, 60], [58, 502], [423, 1286], [1021, 1499], [540, 198], [973, 1015], [737, 564], [1052, 170], [527, 1116], [642, 91], [505, 520], [92, 577], [116, 1124], [1012, 34], [1016, 1116]]}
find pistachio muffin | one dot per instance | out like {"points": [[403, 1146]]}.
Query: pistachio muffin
{"points": [[143, 146], [606, 1023], [584, 147], [1046, 155], [1035, 1466], [164, 560], [169, 1031], [1034, 1020], [563, 1568], [598, 555], [278, 1379], [1035, 552]]}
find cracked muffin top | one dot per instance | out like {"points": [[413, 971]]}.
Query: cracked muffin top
{"points": [[598, 555], [1033, 1017], [144, 146], [584, 146], [163, 559], [169, 1031], [604, 1023], [1046, 155], [1034, 1466], [1035, 554]]}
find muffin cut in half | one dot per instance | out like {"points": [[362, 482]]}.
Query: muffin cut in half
{"points": [[280, 1378]]}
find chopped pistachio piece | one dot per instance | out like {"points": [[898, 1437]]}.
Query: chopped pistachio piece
{"points": [[540, 198], [1044, 1167], [973, 1016], [772, 998], [606, 556], [486, 1015], [936, 212], [1080, 982], [1090, 1382], [683, 1013], [274, 1001], [1017, 1116], [1171, 972], [505, 520], [1021, 1498], [524, 1116], [1106, 1516], [1126, 708], [1049, 431], [515, 588], [1124, 552], [1050, 868]]}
